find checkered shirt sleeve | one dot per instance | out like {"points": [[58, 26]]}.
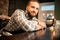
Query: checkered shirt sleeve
{"points": [[21, 20]]}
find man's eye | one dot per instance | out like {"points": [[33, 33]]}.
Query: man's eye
{"points": [[37, 8], [32, 6]]}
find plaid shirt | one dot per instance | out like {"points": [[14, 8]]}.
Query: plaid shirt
{"points": [[20, 21]]}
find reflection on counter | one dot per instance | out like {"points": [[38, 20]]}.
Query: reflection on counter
{"points": [[38, 35]]}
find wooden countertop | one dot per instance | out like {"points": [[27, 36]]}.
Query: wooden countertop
{"points": [[38, 35]]}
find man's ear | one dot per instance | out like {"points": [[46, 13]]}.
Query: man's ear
{"points": [[26, 7]]}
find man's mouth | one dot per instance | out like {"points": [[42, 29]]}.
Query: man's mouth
{"points": [[33, 13]]}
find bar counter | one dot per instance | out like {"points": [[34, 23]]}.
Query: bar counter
{"points": [[37, 35]]}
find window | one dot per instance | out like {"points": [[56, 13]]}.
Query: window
{"points": [[46, 9]]}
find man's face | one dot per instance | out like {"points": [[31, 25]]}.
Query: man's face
{"points": [[32, 8]]}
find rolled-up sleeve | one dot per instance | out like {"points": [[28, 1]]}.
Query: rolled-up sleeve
{"points": [[21, 20]]}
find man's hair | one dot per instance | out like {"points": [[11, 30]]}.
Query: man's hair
{"points": [[32, 1]]}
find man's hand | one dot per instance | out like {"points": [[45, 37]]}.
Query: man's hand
{"points": [[41, 25], [4, 17]]}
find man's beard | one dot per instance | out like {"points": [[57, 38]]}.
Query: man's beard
{"points": [[30, 16]]}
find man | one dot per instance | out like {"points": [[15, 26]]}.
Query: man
{"points": [[25, 20]]}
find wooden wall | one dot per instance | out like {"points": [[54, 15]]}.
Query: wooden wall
{"points": [[4, 7]]}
